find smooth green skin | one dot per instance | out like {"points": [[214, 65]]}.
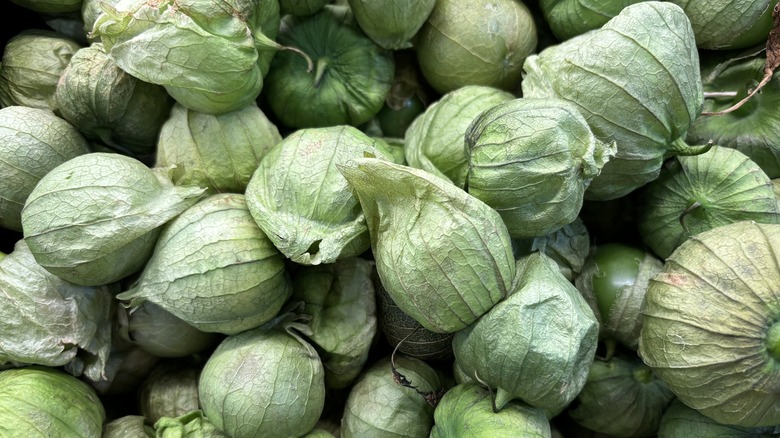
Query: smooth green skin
{"points": [[680, 421], [108, 105], [434, 142], [169, 391], [32, 64], [748, 22], [348, 84], [94, 219], [395, 122], [707, 317], [444, 256], [33, 141], [614, 281], [220, 152], [215, 269], [301, 7], [753, 129], [48, 321], [531, 160], [263, 383], [210, 56], [161, 333], [482, 42], [378, 407], [301, 201], [340, 299], [621, 398], [569, 18], [50, 6], [44, 402], [466, 410], [392, 24], [537, 344], [642, 104], [728, 186]]}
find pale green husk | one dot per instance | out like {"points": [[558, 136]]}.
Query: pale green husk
{"points": [[33, 141], [190, 425], [444, 256], [569, 18], [391, 23], [171, 390], [568, 246], [680, 421], [94, 219], [643, 103], [726, 24], [215, 269], [129, 426]]}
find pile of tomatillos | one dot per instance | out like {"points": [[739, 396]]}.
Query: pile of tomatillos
{"points": [[390, 218]]}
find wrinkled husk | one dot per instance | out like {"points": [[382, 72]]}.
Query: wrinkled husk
{"points": [[531, 160], [43, 402], [726, 24], [680, 421], [378, 406], [190, 425], [210, 56], [699, 193], [434, 141], [32, 64], [710, 326], [340, 299], [171, 390], [350, 79], [215, 269], [569, 18], [266, 382], [45, 320], [94, 219], [622, 398], [220, 152], [301, 201], [391, 23], [537, 344], [643, 103], [622, 321], [33, 141], [467, 410], [753, 129], [443, 256], [129, 426], [568, 247], [109, 105], [484, 42]]}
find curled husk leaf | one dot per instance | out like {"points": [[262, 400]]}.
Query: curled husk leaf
{"points": [[190, 425], [643, 104], [171, 390], [46, 320], [725, 24], [568, 246], [622, 398], [443, 256], [340, 299], [614, 282], [301, 201], [109, 105], [710, 328], [126, 369], [569, 18], [680, 421], [754, 128], [467, 409], [161, 333], [265, 382], [466, 42], [220, 152], [531, 160], [210, 56], [129, 426], [32, 64], [434, 140], [39, 402], [33, 141], [95, 218], [695, 194], [537, 344], [215, 269], [348, 83], [379, 406], [391, 23]]}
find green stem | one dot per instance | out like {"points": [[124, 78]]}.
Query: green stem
{"points": [[319, 73], [685, 213]]}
